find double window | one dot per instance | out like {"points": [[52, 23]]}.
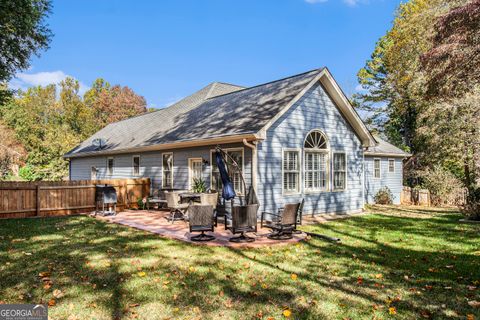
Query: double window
{"points": [[318, 172], [167, 170]]}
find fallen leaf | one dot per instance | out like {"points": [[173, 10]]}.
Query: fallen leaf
{"points": [[474, 304], [58, 293], [293, 276], [287, 313], [142, 274], [392, 310], [51, 302], [470, 316]]}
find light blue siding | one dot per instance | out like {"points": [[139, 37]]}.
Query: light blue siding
{"points": [[315, 110], [393, 180], [151, 165]]}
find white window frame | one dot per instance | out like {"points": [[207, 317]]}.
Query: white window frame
{"points": [[333, 171], [212, 153], [139, 165], [327, 171], [190, 171], [299, 171], [173, 166], [327, 153], [391, 171], [379, 168], [110, 173]]}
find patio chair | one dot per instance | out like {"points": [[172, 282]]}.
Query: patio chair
{"points": [[284, 223], [177, 209], [156, 199], [243, 219], [210, 199], [201, 219]]}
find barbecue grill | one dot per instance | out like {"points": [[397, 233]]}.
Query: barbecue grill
{"points": [[105, 198]]}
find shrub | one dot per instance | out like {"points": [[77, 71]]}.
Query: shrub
{"points": [[383, 196], [444, 186]]}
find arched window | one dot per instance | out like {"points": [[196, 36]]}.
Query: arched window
{"points": [[316, 161]]}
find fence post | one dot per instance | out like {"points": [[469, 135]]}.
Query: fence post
{"points": [[38, 201]]}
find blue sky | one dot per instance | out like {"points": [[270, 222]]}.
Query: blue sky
{"points": [[165, 50]]}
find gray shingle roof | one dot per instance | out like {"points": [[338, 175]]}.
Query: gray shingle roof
{"points": [[217, 110], [385, 148]]}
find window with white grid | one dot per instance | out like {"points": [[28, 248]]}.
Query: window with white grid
{"points": [[316, 161], [291, 171], [316, 173], [339, 171]]}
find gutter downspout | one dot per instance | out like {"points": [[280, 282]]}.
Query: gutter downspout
{"points": [[254, 162]]}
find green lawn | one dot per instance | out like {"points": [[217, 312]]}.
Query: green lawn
{"points": [[397, 263]]}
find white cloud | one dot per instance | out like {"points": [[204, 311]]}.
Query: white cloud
{"points": [[25, 80]]}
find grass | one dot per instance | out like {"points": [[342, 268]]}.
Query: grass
{"points": [[395, 263]]}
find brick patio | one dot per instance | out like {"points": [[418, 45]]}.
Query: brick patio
{"points": [[156, 222]]}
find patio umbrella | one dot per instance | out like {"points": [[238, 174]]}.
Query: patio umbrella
{"points": [[228, 191]]}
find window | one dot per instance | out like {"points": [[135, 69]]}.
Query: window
{"points": [[110, 165], [93, 173], [136, 165], [194, 170], [316, 161], [315, 171], [291, 171], [376, 168], [339, 171], [391, 165], [167, 170], [216, 181]]}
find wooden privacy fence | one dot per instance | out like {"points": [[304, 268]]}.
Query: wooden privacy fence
{"points": [[46, 198], [419, 197]]}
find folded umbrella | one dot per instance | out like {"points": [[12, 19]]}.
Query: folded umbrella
{"points": [[228, 191]]}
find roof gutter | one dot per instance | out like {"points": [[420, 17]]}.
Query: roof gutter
{"points": [[384, 154], [169, 146]]}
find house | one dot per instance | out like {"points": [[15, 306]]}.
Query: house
{"points": [[295, 138]]}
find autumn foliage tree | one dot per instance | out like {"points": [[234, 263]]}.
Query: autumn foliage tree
{"points": [[50, 124], [452, 63]]}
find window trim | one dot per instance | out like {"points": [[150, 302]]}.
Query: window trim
{"points": [[173, 166], [394, 170], [190, 161], [327, 154], [300, 175], [333, 171], [379, 168], [113, 166], [212, 151], [133, 165]]}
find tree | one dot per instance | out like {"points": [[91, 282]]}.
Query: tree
{"points": [[23, 32], [393, 85], [451, 65], [110, 104]]}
